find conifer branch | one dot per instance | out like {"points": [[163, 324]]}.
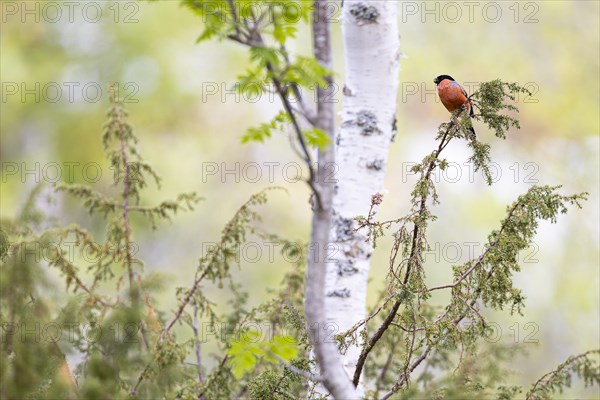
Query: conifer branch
{"points": [[521, 222], [426, 177], [582, 365]]}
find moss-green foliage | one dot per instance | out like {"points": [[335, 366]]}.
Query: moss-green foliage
{"points": [[276, 384], [490, 101], [32, 364], [126, 343]]}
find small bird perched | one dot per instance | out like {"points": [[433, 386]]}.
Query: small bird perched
{"points": [[453, 95]]}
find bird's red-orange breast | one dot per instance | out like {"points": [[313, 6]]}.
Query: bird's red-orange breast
{"points": [[452, 95]]}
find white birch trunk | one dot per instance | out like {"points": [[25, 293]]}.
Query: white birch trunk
{"points": [[335, 379], [372, 58]]}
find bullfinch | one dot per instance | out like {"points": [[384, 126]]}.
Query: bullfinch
{"points": [[453, 95]]}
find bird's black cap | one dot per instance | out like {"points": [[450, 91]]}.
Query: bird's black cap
{"points": [[441, 78]]}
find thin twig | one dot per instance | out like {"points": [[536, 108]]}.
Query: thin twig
{"points": [[370, 317], [412, 342], [479, 259], [197, 281], [308, 375], [238, 30], [198, 353], [255, 40], [404, 377], [125, 213], [392, 314], [385, 370]]}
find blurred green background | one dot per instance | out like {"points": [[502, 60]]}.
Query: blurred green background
{"points": [[189, 121]]}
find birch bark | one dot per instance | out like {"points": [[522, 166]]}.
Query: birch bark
{"points": [[336, 381], [372, 58]]}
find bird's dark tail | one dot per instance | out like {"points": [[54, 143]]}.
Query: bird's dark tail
{"points": [[471, 113]]}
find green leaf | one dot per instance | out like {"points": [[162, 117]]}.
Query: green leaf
{"points": [[265, 56], [285, 347], [257, 134], [282, 32], [307, 72], [264, 130], [215, 15], [242, 363], [317, 138], [243, 353], [249, 350]]}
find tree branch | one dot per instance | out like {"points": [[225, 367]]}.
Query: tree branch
{"points": [[546, 379], [255, 39], [458, 319], [392, 314], [479, 259]]}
